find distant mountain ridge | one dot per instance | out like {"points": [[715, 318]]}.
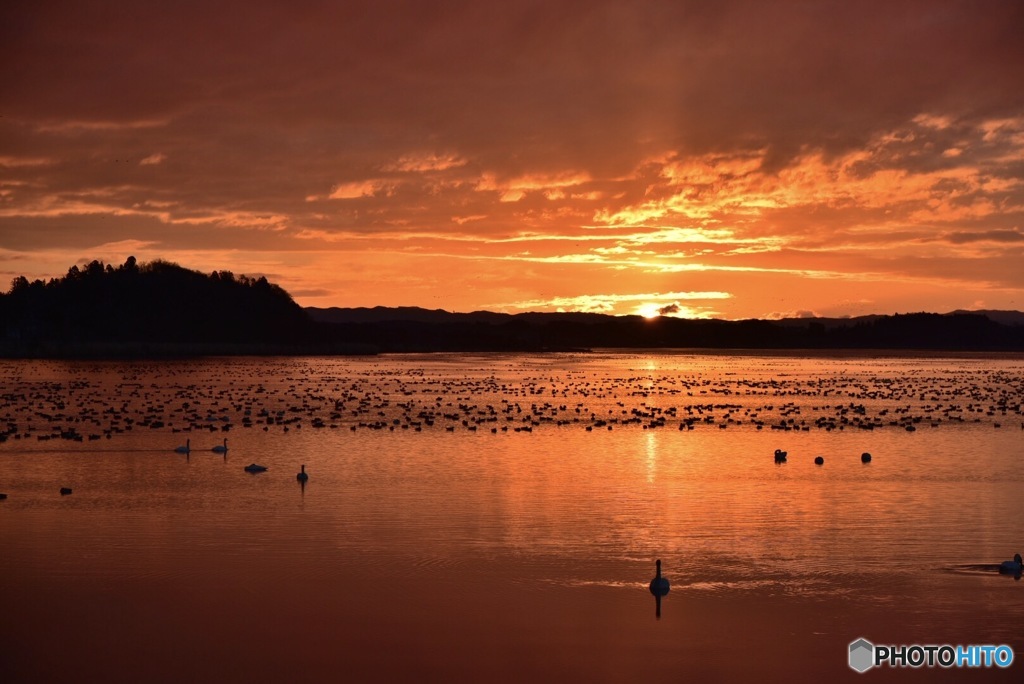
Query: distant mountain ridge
{"points": [[413, 329], [382, 314], [999, 316], [1011, 318]]}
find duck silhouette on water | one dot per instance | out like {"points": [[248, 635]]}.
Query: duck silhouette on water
{"points": [[659, 587], [1012, 567]]}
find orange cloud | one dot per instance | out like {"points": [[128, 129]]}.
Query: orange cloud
{"points": [[358, 189], [426, 161]]}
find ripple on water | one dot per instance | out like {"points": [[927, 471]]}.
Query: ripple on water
{"points": [[979, 569]]}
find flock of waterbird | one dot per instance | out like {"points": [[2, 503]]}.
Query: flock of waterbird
{"points": [[102, 402], [95, 406], [95, 403]]}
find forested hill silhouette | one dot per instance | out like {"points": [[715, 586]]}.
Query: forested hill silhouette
{"points": [[151, 309], [161, 309]]}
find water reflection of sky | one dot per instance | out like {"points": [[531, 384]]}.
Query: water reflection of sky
{"points": [[514, 543]]}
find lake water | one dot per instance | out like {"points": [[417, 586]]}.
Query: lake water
{"points": [[498, 517]]}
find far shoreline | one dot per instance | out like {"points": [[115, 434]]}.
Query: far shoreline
{"points": [[174, 352]]}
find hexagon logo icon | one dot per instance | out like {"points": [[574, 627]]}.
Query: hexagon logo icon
{"points": [[862, 655]]}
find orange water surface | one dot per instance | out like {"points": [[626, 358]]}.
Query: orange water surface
{"points": [[498, 517]]}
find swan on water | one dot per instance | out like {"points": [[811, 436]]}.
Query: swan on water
{"points": [[659, 585], [302, 476], [1012, 567], [254, 468], [221, 448], [184, 448]]}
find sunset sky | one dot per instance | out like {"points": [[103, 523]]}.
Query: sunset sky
{"points": [[725, 159]]}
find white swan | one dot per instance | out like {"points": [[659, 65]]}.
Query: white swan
{"points": [[221, 449], [659, 585], [302, 476], [185, 448], [1012, 567]]}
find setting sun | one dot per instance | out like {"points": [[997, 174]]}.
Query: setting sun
{"points": [[649, 310]]}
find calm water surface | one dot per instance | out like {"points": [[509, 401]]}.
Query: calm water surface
{"points": [[497, 517]]}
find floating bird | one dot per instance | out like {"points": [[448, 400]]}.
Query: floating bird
{"points": [[659, 585], [865, 457], [64, 491], [780, 456], [302, 476], [184, 448], [254, 468], [2, 497], [819, 460], [221, 448], [1012, 567]]}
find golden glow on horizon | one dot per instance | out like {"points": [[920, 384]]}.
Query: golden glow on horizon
{"points": [[643, 304], [648, 310]]}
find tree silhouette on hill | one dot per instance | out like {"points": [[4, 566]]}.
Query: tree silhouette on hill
{"points": [[148, 304]]}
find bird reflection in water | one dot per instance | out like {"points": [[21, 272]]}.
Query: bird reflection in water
{"points": [[659, 587]]}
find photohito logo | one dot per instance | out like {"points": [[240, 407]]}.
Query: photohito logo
{"points": [[865, 655]]}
